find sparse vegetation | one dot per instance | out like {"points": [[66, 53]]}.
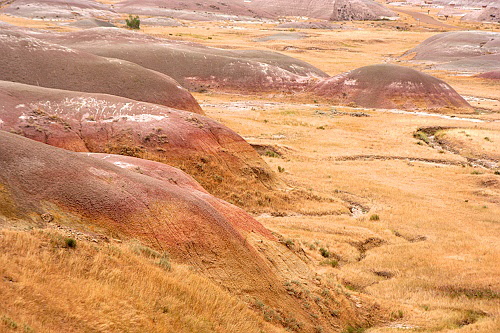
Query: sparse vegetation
{"points": [[421, 136], [324, 252], [330, 262], [133, 22], [353, 329], [374, 217], [70, 243]]}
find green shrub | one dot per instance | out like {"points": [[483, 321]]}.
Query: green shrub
{"points": [[70, 242], [324, 252], [374, 217], [421, 136], [133, 22]]}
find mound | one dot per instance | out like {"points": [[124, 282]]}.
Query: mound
{"points": [[478, 64], [194, 66], [336, 10], [456, 45], [309, 25], [57, 9], [488, 14], [148, 201], [29, 60], [493, 75], [165, 212], [391, 86], [215, 155], [92, 23]]}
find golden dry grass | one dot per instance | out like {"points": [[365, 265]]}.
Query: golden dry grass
{"points": [[438, 226], [432, 253], [108, 287]]}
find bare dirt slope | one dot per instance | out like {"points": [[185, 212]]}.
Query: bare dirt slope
{"points": [[336, 10], [29, 60], [391, 86], [214, 154], [57, 9], [450, 46]]}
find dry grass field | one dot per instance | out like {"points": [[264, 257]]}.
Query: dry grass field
{"points": [[391, 214]]}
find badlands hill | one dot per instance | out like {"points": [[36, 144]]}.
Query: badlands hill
{"points": [[194, 66], [469, 51], [57, 9], [391, 86], [71, 187], [335, 10], [488, 14], [26, 59], [493, 75], [456, 45], [127, 198], [214, 154]]}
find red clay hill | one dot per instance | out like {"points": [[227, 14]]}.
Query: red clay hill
{"points": [[336, 10], [116, 197], [29, 60], [214, 154], [391, 86], [195, 66], [493, 75], [151, 202]]}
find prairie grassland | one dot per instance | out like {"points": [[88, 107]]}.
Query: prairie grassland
{"points": [[434, 243], [47, 286], [407, 224]]}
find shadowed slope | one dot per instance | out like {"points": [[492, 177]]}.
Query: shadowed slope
{"points": [[214, 154], [195, 66], [29, 60], [57, 9], [391, 86]]}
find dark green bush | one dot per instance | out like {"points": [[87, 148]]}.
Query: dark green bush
{"points": [[133, 22]]}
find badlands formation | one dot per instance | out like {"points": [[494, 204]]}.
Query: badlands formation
{"points": [[249, 166]]}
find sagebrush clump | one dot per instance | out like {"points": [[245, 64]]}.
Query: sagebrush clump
{"points": [[133, 22]]}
